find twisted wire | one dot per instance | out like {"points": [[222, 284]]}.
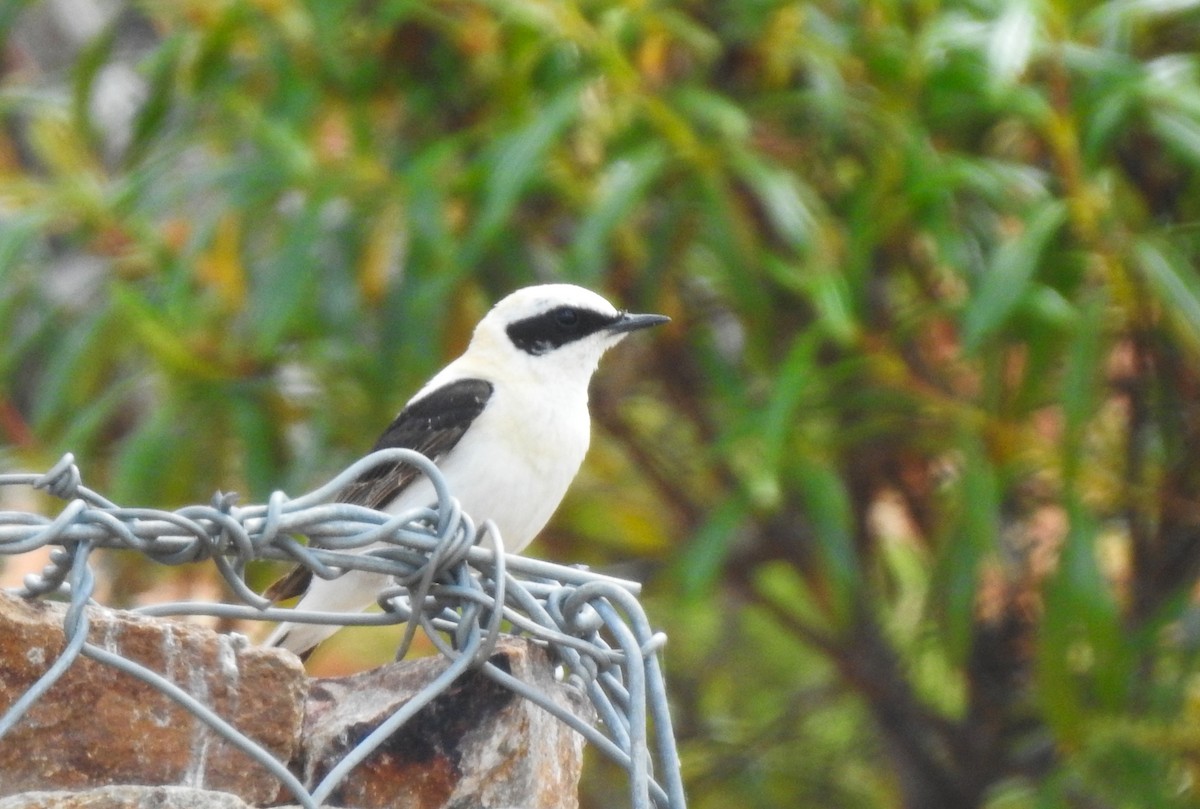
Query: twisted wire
{"points": [[448, 580]]}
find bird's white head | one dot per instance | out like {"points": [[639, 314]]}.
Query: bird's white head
{"points": [[559, 330]]}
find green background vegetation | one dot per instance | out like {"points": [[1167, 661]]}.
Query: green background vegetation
{"points": [[911, 477]]}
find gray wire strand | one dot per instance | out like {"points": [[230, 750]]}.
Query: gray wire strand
{"points": [[449, 581], [76, 634]]}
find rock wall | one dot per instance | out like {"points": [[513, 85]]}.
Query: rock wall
{"points": [[477, 744]]}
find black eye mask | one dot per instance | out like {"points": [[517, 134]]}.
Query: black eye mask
{"points": [[553, 329]]}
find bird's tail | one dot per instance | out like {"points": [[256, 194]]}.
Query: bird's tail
{"points": [[300, 639], [352, 592]]}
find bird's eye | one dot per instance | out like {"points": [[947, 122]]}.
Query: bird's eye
{"points": [[566, 317]]}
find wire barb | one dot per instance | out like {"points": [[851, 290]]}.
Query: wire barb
{"points": [[448, 579]]}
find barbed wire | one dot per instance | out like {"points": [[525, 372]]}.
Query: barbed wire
{"points": [[447, 581]]}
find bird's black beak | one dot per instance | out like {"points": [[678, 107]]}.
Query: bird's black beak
{"points": [[630, 322]]}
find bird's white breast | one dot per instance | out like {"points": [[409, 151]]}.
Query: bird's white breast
{"points": [[515, 462]]}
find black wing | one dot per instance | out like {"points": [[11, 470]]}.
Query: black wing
{"points": [[432, 426]]}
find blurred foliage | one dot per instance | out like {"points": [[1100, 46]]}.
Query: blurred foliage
{"points": [[911, 477]]}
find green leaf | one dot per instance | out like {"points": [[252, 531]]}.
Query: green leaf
{"points": [[832, 297], [1173, 280], [512, 168], [424, 178], [70, 369], [976, 534], [827, 505], [787, 204], [286, 298], [1009, 273], [163, 338], [1083, 652], [151, 458], [1083, 385], [154, 111], [91, 420], [91, 59], [621, 187], [793, 379], [701, 563], [18, 235], [1180, 131], [717, 111], [259, 432]]}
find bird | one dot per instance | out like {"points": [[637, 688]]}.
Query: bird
{"points": [[506, 423]]}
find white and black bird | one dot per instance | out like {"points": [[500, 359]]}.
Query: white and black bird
{"points": [[506, 423]]}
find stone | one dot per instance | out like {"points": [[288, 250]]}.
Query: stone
{"points": [[98, 726], [477, 744], [126, 797]]}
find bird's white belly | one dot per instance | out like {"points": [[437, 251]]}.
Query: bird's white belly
{"points": [[516, 488]]}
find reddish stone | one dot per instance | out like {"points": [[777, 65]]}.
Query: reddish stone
{"points": [[99, 726]]}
